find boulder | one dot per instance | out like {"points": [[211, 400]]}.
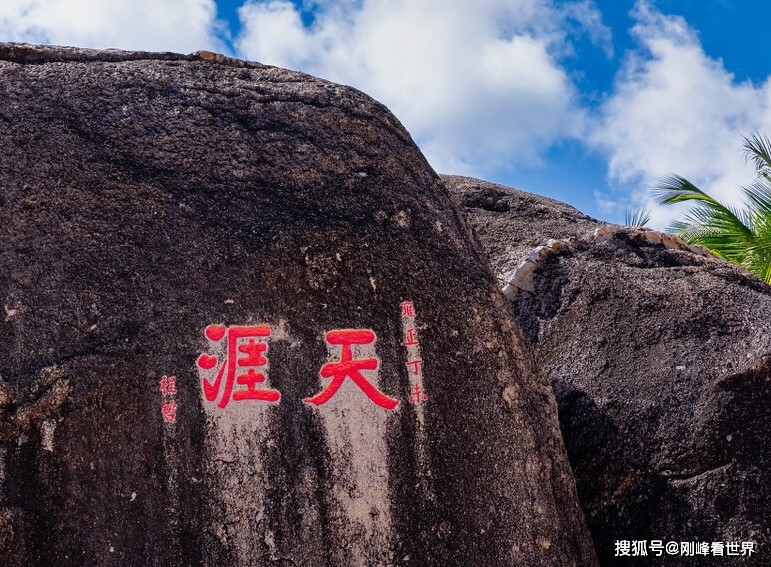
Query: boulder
{"points": [[511, 224], [243, 324], [658, 353]]}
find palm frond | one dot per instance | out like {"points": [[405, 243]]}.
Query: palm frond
{"points": [[637, 217], [739, 235], [762, 242], [757, 148], [719, 230], [759, 252], [675, 189], [716, 217], [758, 196]]}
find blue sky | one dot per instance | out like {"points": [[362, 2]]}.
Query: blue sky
{"points": [[587, 101]]}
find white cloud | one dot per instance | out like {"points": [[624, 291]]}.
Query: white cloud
{"points": [[478, 84], [675, 110], [153, 25], [586, 14]]}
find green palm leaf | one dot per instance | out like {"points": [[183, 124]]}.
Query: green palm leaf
{"points": [[739, 235], [757, 148], [721, 228], [638, 217]]}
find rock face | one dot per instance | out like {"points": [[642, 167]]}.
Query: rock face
{"points": [[512, 223], [659, 357], [244, 325]]}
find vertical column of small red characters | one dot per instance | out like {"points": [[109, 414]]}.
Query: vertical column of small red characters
{"points": [[414, 361], [168, 400]]}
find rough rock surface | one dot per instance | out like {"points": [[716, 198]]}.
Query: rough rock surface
{"points": [[513, 223], [659, 358], [157, 207]]}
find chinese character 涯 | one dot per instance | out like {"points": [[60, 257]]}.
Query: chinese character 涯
{"points": [[348, 367], [243, 365]]}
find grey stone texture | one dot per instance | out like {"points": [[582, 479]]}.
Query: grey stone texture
{"points": [[153, 206], [659, 357]]}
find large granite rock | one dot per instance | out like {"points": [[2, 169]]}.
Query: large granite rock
{"points": [[659, 357], [244, 324], [512, 223]]}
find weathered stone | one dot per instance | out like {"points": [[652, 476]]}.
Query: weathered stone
{"points": [[511, 224], [155, 204], [658, 355]]}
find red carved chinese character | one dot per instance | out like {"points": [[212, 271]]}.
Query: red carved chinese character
{"points": [[167, 385], [416, 366], [411, 340], [417, 395], [254, 358], [347, 367], [169, 411], [408, 309]]}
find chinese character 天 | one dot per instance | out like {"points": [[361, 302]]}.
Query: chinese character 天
{"points": [[348, 367]]}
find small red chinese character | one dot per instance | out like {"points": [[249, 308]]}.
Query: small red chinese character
{"points": [[411, 340], [169, 411], [417, 395], [254, 358], [408, 309], [416, 366], [347, 367], [167, 385]]}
